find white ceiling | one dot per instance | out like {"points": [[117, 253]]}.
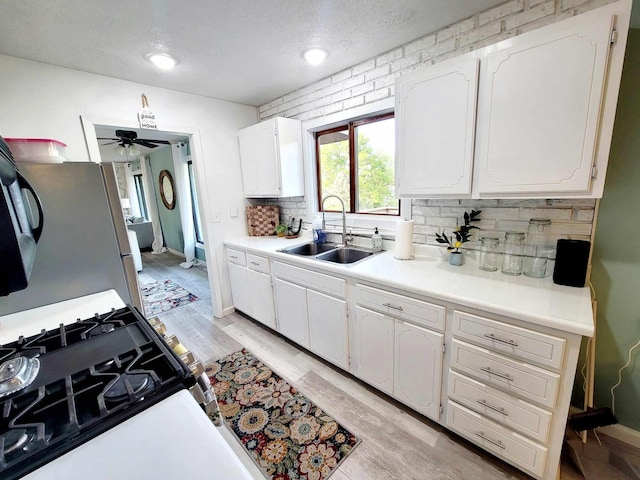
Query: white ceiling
{"points": [[245, 51]]}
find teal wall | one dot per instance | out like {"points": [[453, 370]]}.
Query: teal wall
{"points": [[169, 219], [616, 258], [200, 254]]}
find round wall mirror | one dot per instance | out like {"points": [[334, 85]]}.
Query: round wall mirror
{"points": [[167, 189]]}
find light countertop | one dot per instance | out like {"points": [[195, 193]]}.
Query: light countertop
{"points": [[538, 301]]}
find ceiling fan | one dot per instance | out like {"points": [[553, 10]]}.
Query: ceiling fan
{"points": [[126, 138]]}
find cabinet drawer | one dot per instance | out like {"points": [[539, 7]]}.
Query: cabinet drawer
{"points": [[535, 347], [236, 256], [498, 440], [259, 264], [513, 376], [317, 281], [416, 311], [500, 406]]}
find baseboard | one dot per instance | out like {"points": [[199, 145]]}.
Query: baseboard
{"points": [[228, 311], [622, 433], [176, 252]]}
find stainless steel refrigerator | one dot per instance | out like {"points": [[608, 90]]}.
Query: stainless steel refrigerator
{"points": [[84, 247]]}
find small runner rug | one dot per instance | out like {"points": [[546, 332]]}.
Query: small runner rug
{"points": [[286, 434], [159, 297]]}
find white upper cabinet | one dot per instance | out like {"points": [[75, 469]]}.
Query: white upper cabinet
{"points": [[271, 158], [435, 126], [542, 123], [539, 111]]}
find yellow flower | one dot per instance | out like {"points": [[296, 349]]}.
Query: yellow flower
{"points": [[457, 244]]}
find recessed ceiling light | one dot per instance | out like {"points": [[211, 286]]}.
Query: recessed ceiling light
{"points": [[315, 56], [162, 60]]}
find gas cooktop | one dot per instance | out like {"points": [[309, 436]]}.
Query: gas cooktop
{"points": [[64, 386]]}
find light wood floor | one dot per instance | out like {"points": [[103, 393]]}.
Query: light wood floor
{"points": [[397, 443]]}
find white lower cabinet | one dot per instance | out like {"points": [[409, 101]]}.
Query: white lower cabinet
{"points": [[291, 305], [251, 286], [372, 353], [261, 297], [328, 327], [311, 318], [398, 357], [240, 288], [418, 368]]}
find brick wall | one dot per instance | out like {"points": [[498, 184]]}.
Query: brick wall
{"points": [[373, 80]]}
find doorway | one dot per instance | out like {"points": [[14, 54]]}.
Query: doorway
{"points": [[144, 193]]}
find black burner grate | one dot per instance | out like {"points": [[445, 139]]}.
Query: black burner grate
{"points": [[94, 374]]}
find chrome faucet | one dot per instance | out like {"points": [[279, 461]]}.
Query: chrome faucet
{"points": [[345, 239]]}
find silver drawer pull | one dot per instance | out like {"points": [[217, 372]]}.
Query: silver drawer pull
{"points": [[497, 339], [400, 309], [506, 376], [497, 443], [255, 263], [233, 256], [500, 410]]}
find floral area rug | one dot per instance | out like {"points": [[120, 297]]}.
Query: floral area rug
{"points": [[285, 433], [159, 297]]}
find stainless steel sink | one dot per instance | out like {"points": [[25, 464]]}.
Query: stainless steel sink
{"points": [[330, 252], [345, 255], [310, 249]]}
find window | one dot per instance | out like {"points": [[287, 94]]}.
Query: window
{"points": [[142, 202], [194, 204], [356, 162]]}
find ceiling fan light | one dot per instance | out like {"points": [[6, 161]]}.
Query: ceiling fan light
{"points": [[120, 149], [315, 56], [134, 151], [162, 60]]}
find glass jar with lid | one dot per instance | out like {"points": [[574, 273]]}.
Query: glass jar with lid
{"points": [[538, 249], [489, 254], [513, 252]]}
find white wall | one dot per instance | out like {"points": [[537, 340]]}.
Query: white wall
{"points": [[44, 101]]}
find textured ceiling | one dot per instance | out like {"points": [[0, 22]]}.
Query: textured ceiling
{"points": [[245, 51]]}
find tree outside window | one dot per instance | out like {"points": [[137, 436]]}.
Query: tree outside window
{"points": [[356, 162]]}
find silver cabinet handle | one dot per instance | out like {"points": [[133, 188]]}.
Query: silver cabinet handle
{"points": [[500, 410], [491, 336], [506, 376], [400, 309], [255, 263], [232, 256], [497, 443]]}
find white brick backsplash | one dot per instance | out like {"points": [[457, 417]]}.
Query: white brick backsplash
{"points": [[405, 62], [536, 13], [481, 33], [550, 213], [354, 102], [420, 44], [385, 81], [389, 56], [363, 67], [339, 77], [374, 79], [456, 29], [377, 95], [377, 73], [360, 89], [500, 11], [565, 4], [439, 49], [338, 97], [425, 211], [583, 215], [353, 81]]}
